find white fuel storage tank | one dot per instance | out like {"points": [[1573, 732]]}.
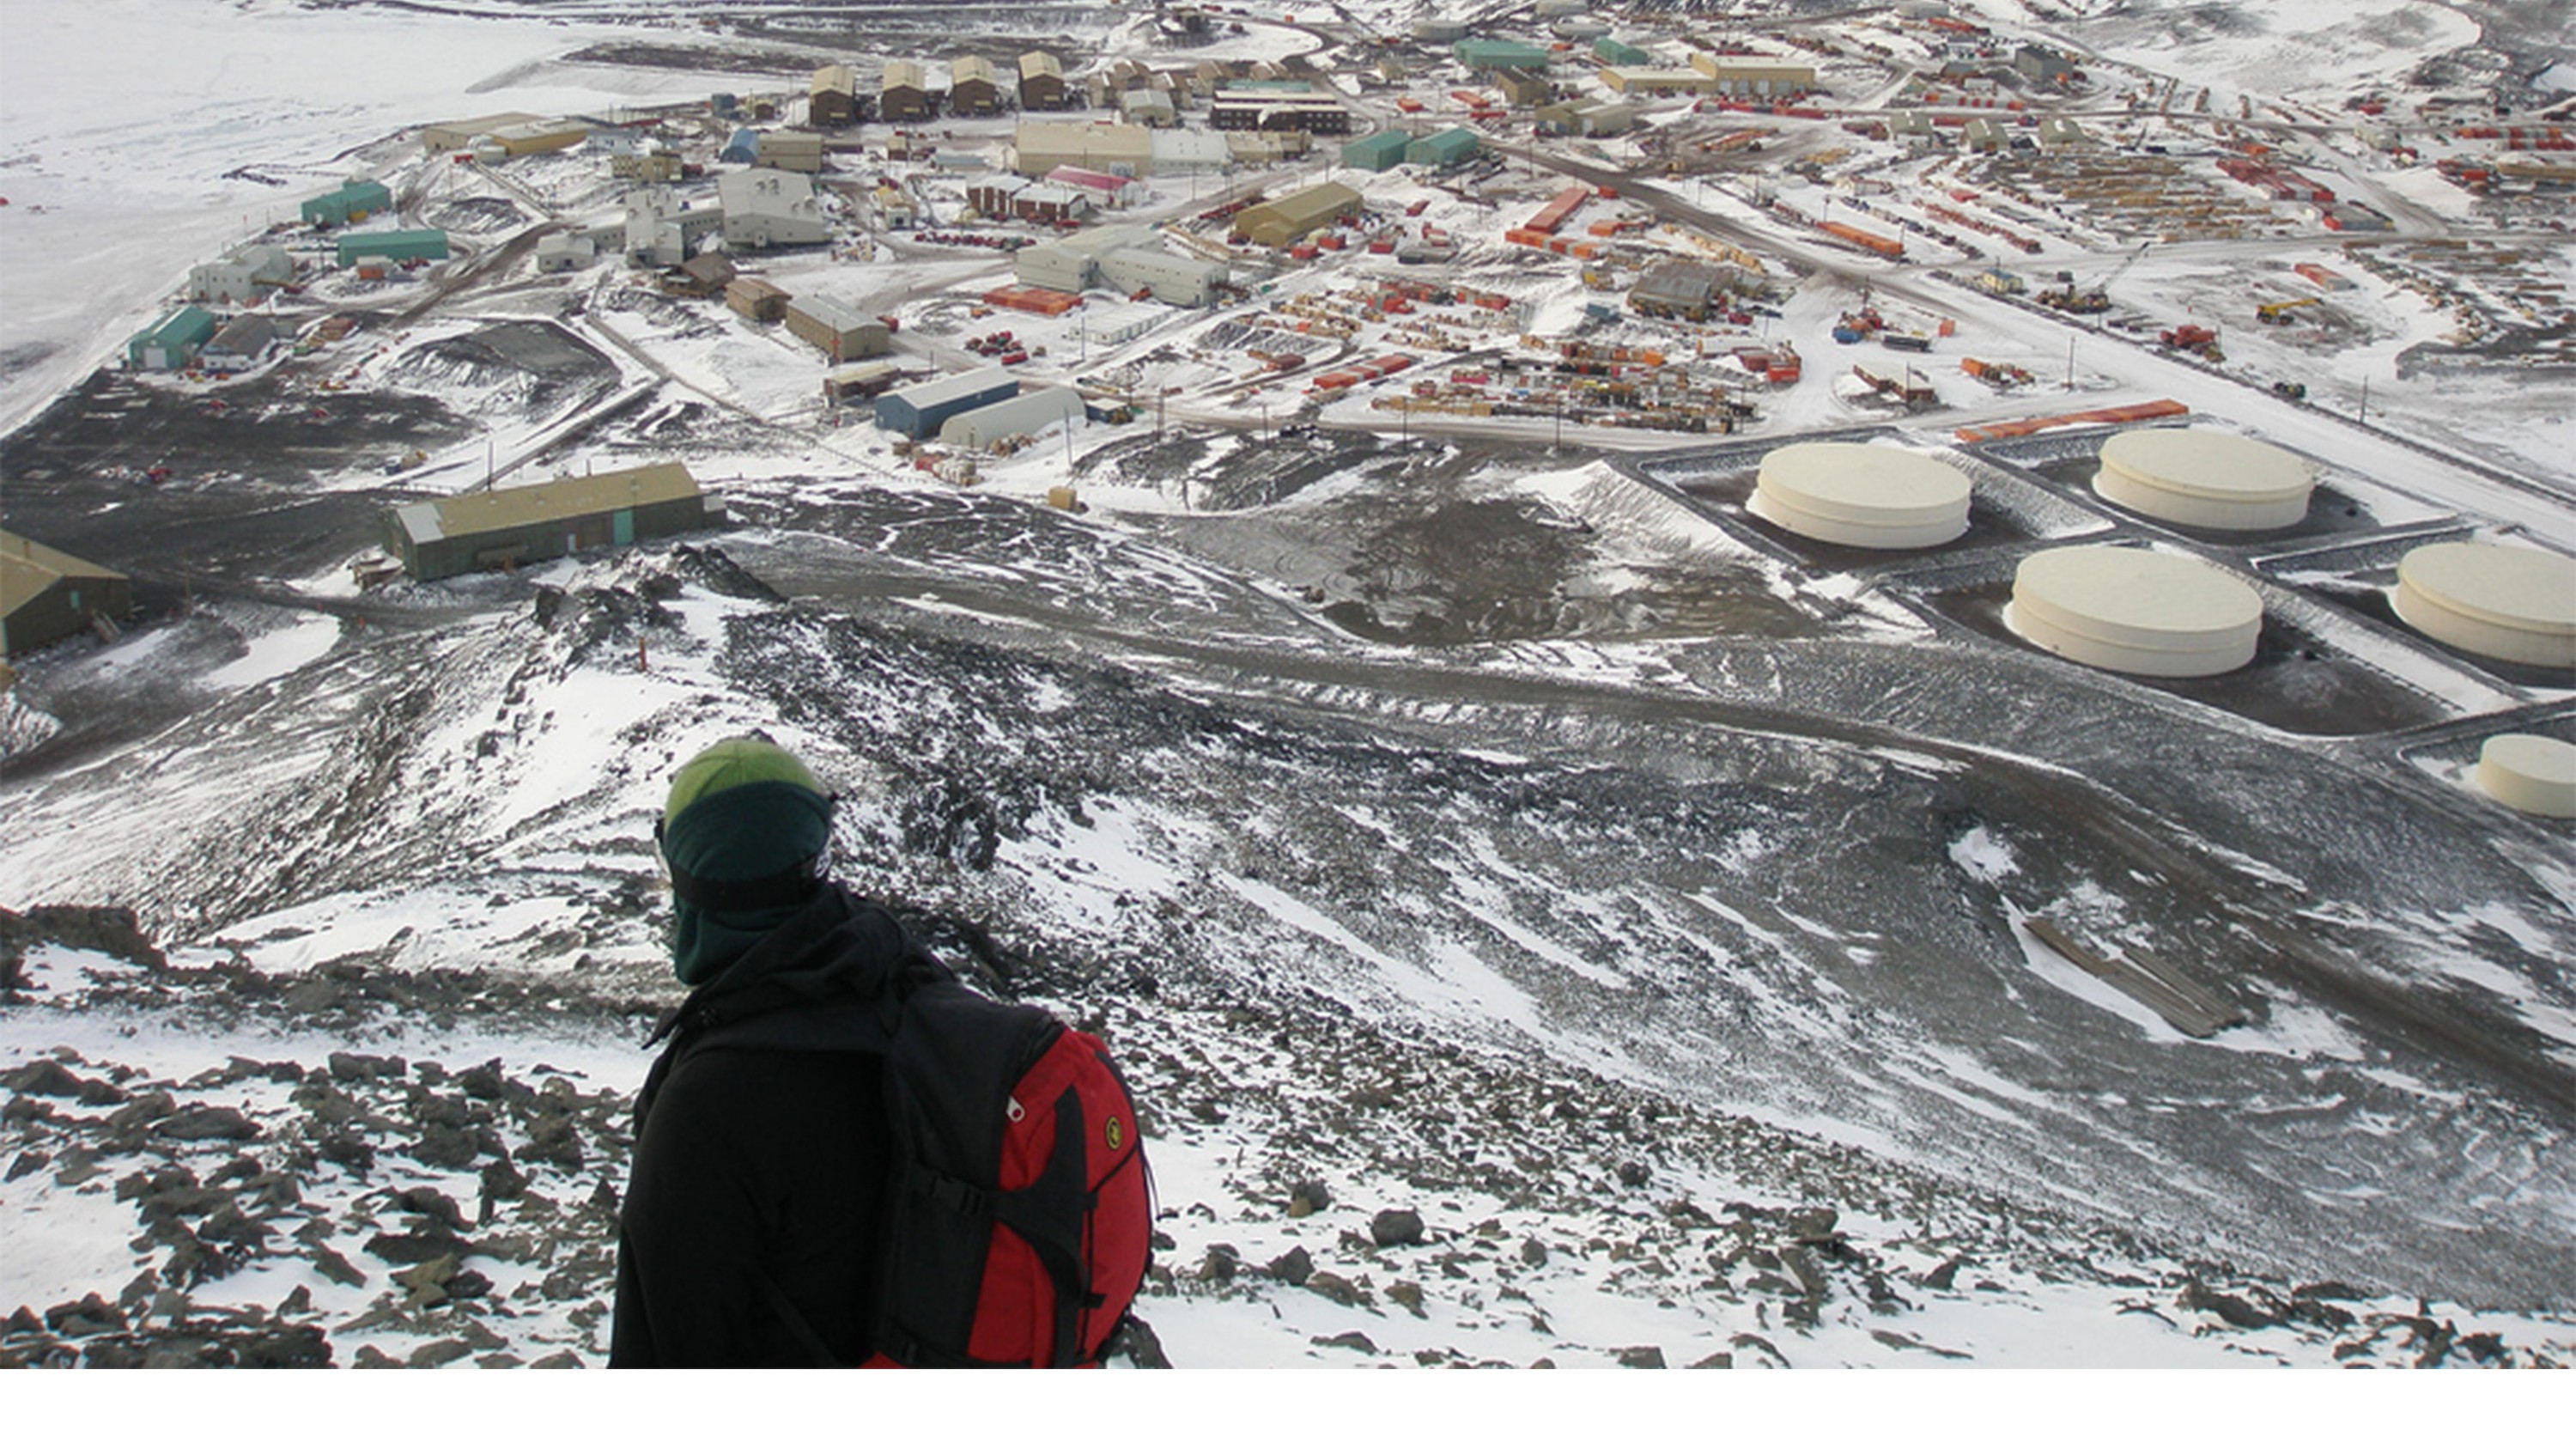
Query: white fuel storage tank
{"points": [[1861, 495], [2135, 611], [2204, 478]]}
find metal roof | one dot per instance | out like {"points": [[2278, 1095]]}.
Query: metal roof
{"points": [[28, 568], [494, 510], [1302, 210], [955, 385], [834, 315], [902, 74], [188, 324]]}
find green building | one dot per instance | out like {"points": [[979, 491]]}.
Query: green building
{"points": [[1376, 153], [1443, 148], [171, 343], [356, 200], [1498, 54], [427, 244], [1618, 52], [505, 527]]}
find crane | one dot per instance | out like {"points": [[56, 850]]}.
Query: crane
{"points": [[2096, 298]]}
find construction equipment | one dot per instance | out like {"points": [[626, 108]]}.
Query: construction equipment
{"points": [[2096, 298], [2272, 312], [1997, 375], [2192, 337], [2294, 391]]}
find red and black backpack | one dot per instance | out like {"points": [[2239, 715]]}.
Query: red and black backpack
{"points": [[1016, 1221], [1020, 1171]]}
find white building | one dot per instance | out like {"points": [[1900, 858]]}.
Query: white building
{"points": [[660, 226], [764, 208], [1123, 259], [248, 274], [242, 343], [565, 252], [1027, 415]]}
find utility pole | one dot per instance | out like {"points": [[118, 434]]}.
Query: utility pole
{"points": [[2070, 362]]}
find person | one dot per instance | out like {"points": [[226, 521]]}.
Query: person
{"points": [[748, 1229]]}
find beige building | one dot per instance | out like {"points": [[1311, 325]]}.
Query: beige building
{"points": [[791, 151], [1038, 147], [536, 138], [1278, 223], [458, 135], [1736, 76]]}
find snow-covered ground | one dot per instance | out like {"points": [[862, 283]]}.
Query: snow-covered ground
{"points": [[1668, 898]]}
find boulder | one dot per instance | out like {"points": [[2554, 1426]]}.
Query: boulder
{"points": [[1293, 1267], [206, 1124], [1396, 1227]]}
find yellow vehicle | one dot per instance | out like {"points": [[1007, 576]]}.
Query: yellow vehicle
{"points": [[2280, 311]]}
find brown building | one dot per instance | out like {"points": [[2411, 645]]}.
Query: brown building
{"points": [[756, 299], [1041, 82], [832, 99], [496, 528], [903, 96], [841, 333], [48, 595], [973, 87], [703, 275]]}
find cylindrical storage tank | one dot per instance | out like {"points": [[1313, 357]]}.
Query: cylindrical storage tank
{"points": [[2202, 478], [2514, 604], [1862, 496], [2532, 773], [2136, 612]]}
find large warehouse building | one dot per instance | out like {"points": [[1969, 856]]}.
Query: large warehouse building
{"points": [[918, 410], [1123, 259], [507, 527], [47, 595], [1038, 147], [1026, 415], [355, 200], [1277, 223]]}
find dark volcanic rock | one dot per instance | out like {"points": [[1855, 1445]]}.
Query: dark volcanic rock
{"points": [[355, 1067], [1337, 1288], [1396, 1227], [1293, 1267], [419, 1247], [2233, 1310], [1645, 1357], [90, 1315], [1136, 1339], [432, 1204], [204, 1124], [43, 1077]]}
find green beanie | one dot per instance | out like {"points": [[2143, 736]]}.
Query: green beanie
{"points": [[743, 810]]}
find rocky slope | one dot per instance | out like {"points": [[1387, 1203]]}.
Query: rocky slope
{"points": [[204, 1173]]}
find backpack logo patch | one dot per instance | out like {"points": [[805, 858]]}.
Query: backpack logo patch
{"points": [[1115, 1133]]}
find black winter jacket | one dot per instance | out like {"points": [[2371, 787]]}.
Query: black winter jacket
{"points": [[749, 1229]]}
